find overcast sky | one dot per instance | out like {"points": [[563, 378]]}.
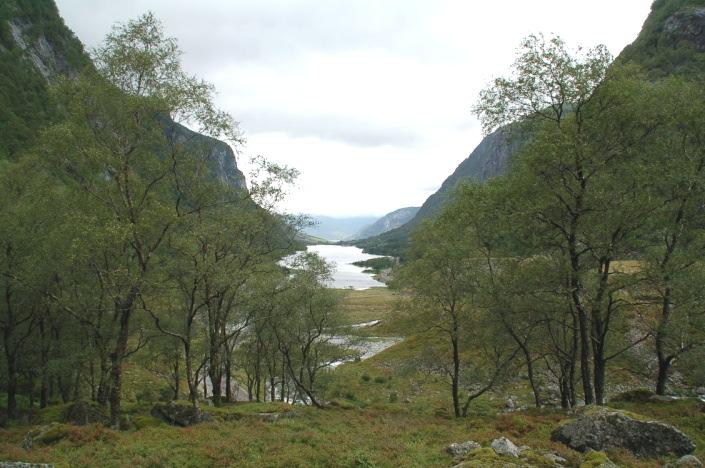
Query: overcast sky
{"points": [[369, 99]]}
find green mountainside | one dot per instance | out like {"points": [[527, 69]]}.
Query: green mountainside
{"points": [[35, 47], [671, 42]]}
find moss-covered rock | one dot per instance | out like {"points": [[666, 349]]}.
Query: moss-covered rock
{"points": [[45, 435], [602, 428]]}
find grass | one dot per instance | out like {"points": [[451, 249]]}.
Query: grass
{"points": [[384, 411]]}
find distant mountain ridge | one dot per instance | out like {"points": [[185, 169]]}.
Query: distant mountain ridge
{"points": [[337, 228], [388, 222], [671, 42]]}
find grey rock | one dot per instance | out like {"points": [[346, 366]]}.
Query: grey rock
{"points": [[686, 461], [687, 25], [606, 428], [505, 447], [510, 405], [178, 414], [44, 435], [700, 390], [462, 449]]}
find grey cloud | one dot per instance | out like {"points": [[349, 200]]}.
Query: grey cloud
{"points": [[269, 30], [328, 127]]}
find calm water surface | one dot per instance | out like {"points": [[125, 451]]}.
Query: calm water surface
{"points": [[346, 275]]}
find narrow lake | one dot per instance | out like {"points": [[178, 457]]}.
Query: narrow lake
{"points": [[346, 275]]}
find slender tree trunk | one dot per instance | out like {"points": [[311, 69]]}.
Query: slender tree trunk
{"points": [[455, 383], [44, 356], [11, 386], [10, 353], [124, 310], [177, 376], [664, 361]]}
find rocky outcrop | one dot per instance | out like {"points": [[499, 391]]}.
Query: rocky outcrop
{"points": [[605, 428], [178, 414], [48, 59], [220, 156], [687, 26]]}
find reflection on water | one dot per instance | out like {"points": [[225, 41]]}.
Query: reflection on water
{"points": [[346, 275]]}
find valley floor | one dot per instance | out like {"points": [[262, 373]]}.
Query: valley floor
{"points": [[383, 412]]}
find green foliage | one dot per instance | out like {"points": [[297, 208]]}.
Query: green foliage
{"points": [[376, 265]]}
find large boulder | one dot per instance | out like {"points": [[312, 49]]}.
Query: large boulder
{"points": [[45, 435], [604, 428], [178, 414]]}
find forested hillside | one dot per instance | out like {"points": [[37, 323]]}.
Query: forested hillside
{"points": [[671, 43]]}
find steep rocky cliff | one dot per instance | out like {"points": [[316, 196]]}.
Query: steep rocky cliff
{"points": [[35, 47], [671, 42], [388, 222]]}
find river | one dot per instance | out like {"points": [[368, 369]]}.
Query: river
{"points": [[346, 275]]}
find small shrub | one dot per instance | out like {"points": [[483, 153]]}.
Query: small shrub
{"points": [[365, 377], [514, 425], [380, 379], [595, 459], [393, 397]]}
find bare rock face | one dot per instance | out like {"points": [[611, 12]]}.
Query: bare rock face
{"points": [[688, 26], [606, 428]]}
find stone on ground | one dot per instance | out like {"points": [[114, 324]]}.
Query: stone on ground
{"points": [[607, 428], [505, 447]]}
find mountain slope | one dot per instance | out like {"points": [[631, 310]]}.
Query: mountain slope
{"points": [[388, 222], [671, 42], [36, 46], [335, 229]]}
